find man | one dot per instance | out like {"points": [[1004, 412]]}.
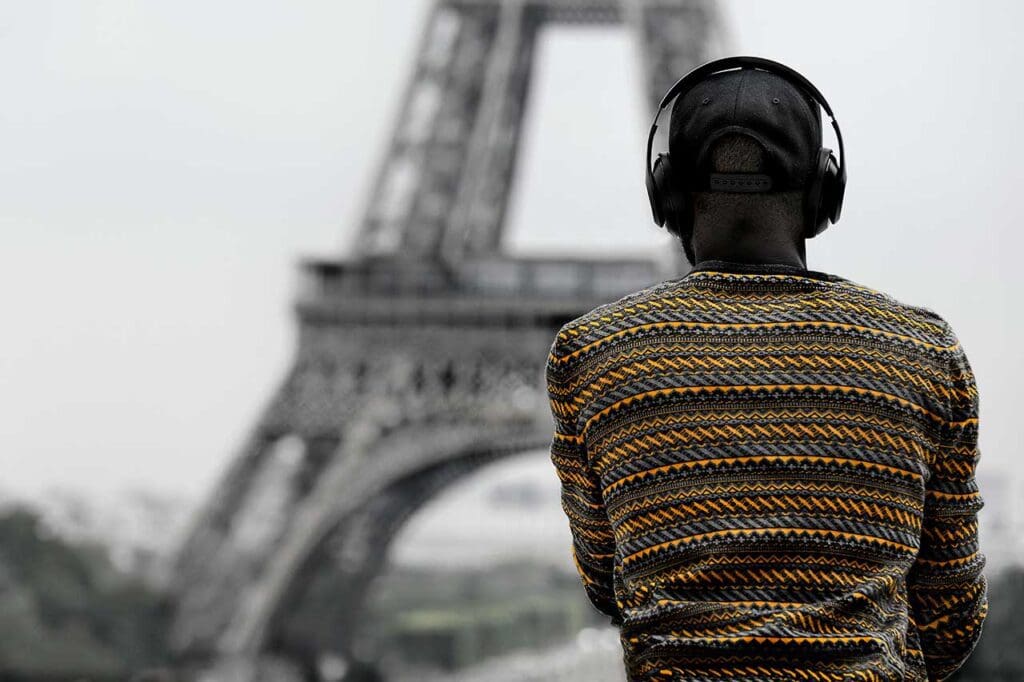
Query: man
{"points": [[768, 470]]}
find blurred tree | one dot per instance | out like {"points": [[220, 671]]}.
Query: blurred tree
{"points": [[66, 612]]}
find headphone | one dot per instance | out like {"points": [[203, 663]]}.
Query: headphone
{"points": [[824, 199]]}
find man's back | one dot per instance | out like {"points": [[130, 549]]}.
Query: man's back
{"points": [[769, 475]]}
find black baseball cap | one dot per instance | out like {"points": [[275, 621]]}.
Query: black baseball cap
{"points": [[779, 115]]}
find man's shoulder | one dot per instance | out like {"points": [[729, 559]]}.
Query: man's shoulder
{"points": [[608, 318], [614, 318], [929, 324]]}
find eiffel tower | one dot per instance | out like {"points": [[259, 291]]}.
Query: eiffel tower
{"points": [[421, 354]]}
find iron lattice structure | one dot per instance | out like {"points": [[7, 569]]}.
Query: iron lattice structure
{"points": [[420, 355]]}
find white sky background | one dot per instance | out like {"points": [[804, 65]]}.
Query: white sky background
{"points": [[162, 165]]}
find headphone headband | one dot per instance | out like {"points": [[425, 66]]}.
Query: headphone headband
{"points": [[744, 62]]}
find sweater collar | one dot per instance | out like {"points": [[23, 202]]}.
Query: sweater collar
{"points": [[720, 265]]}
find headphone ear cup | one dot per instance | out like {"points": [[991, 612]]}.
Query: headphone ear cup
{"points": [[655, 182], [671, 206], [830, 194], [836, 188], [821, 194], [674, 205]]}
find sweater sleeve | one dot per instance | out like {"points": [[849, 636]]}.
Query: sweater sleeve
{"points": [[593, 540], [947, 589]]}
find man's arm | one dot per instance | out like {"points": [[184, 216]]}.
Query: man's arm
{"points": [[593, 548], [947, 589]]}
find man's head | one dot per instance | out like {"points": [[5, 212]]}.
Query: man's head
{"points": [[732, 217], [748, 122]]}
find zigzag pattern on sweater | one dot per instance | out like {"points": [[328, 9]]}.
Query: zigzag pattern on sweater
{"points": [[770, 476]]}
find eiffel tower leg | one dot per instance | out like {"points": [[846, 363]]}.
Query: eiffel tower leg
{"points": [[238, 530], [484, 191], [674, 36], [250, 509], [406, 371], [348, 429], [416, 186], [350, 485], [344, 566]]}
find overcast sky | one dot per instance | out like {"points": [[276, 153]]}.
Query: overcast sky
{"points": [[162, 165]]}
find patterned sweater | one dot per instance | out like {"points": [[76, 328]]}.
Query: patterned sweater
{"points": [[769, 474]]}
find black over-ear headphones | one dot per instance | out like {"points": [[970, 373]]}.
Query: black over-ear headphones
{"points": [[824, 197]]}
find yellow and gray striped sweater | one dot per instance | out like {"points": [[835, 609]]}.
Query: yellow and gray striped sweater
{"points": [[768, 474]]}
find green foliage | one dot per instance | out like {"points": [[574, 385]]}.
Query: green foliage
{"points": [[65, 612]]}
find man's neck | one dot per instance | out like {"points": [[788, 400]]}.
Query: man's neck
{"points": [[748, 247], [753, 256]]}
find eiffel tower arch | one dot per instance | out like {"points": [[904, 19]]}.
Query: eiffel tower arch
{"points": [[420, 355]]}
